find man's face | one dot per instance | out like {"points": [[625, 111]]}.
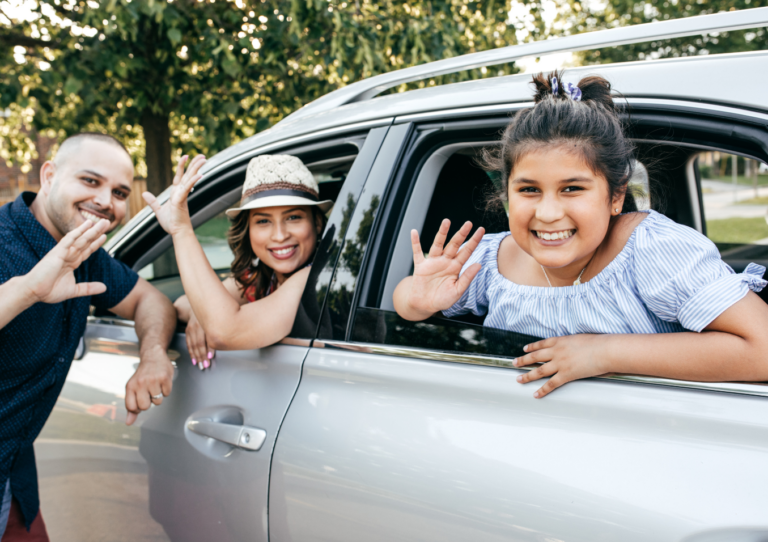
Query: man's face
{"points": [[89, 182]]}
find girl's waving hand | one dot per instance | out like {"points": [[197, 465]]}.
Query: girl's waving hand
{"points": [[437, 282]]}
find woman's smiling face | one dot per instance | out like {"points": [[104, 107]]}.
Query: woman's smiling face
{"points": [[559, 209], [284, 238]]}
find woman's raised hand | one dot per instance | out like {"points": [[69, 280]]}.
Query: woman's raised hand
{"points": [[173, 215], [436, 284]]}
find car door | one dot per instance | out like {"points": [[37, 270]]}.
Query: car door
{"points": [[419, 431], [195, 468]]}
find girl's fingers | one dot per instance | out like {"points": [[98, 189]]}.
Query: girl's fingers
{"points": [[538, 345], [418, 255], [442, 234], [539, 356], [551, 385], [543, 371], [470, 247], [456, 241], [466, 278]]}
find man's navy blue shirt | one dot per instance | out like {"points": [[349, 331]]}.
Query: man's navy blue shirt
{"points": [[39, 344]]}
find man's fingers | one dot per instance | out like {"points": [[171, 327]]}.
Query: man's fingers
{"points": [[69, 239], [131, 407], [456, 241], [466, 277], [418, 254], [471, 245], [89, 288], [90, 235], [131, 417], [442, 234]]}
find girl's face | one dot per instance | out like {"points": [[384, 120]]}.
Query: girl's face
{"points": [[284, 238], [559, 209]]}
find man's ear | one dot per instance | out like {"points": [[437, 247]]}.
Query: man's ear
{"points": [[47, 176]]}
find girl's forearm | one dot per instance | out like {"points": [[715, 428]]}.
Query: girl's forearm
{"points": [[709, 356]]}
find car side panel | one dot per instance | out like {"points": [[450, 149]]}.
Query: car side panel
{"points": [[381, 448]]}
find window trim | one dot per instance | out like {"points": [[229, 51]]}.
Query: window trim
{"points": [[758, 389]]}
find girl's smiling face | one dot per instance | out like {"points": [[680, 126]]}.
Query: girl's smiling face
{"points": [[284, 238], [559, 209]]}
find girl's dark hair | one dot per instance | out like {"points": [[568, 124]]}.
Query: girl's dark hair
{"points": [[590, 127], [243, 270]]}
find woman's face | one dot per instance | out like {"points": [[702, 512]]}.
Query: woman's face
{"points": [[559, 209], [284, 238]]}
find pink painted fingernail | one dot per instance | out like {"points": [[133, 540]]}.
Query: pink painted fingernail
{"points": [[210, 355], [207, 364], [194, 361]]}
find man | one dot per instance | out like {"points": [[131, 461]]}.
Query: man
{"points": [[51, 271]]}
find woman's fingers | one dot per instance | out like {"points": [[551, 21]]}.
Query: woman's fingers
{"points": [[456, 241], [470, 247], [180, 169], [442, 234], [418, 255], [151, 200]]}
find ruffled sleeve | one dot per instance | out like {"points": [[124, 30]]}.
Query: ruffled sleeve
{"points": [[475, 298], [680, 276]]}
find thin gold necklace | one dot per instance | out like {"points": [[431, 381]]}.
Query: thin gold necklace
{"points": [[575, 282]]}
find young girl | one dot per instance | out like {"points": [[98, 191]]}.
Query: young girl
{"points": [[273, 236], [613, 290]]}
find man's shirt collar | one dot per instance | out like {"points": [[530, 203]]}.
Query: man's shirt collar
{"points": [[39, 239]]}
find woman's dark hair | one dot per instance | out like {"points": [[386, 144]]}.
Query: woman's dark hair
{"points": [[590, 127], [243, 270]]}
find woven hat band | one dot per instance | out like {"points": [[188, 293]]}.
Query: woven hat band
{"points": [[279, 192]]}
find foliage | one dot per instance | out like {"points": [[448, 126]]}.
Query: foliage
{"points": [[579, 18], [199, 75]]}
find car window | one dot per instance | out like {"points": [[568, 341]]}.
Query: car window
{"points": [[163, 272], [735, 203]]}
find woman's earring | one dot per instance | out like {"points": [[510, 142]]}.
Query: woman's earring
{"points": [[255, 262]]}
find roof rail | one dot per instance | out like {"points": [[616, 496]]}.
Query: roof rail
{"points": [[371, 87]]}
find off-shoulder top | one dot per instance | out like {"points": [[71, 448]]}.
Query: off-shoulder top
{"points": [[667, 278]]}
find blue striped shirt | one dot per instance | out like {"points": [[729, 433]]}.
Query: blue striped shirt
{"points": [[667, 278]]}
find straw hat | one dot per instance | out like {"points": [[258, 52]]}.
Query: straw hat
{"points": [[274, 180]]}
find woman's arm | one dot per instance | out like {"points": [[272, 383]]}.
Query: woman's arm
{"points": [[734, 347], [227, 324], [184, 309]]}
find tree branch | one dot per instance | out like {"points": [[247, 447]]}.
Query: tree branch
{"points": [[15, 38]]}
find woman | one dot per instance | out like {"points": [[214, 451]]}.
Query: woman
{"points": [[273, 236]]}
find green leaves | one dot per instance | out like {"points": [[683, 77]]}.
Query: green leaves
{"points": [[174, 34]]}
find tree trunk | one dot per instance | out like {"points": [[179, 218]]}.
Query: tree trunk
{"points": [[157, 154]]}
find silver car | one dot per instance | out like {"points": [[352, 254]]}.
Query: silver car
{"points": [[361, 426]]}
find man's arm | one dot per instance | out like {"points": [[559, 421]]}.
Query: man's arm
{"points": [[52, 280], [155, 320]]}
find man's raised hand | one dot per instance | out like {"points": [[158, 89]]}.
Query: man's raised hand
{"points": [[52, 280], [436, 284], [173, 215]]}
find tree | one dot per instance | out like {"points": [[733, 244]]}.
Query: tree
{"points": [[199, 75], [629, 12]]}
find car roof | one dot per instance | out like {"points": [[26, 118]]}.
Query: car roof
{"points": [[735, 79]]}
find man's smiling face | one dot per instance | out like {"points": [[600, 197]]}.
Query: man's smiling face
{"points": [[89, 180]]}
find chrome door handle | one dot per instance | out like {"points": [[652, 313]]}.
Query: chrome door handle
{"points": [[240, 436]]}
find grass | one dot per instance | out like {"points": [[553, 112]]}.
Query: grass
{"points": [[737, 230], [216, 227], [763, 200], [762, 180]]}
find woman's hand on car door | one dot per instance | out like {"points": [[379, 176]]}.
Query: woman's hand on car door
{"points": [[173, 215]]}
